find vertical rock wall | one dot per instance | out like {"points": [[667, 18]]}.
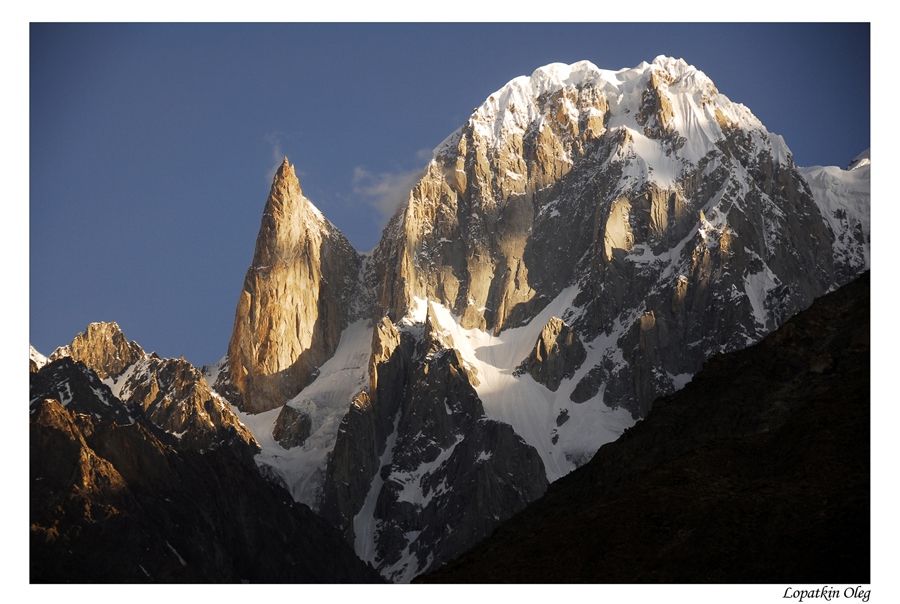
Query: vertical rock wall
{"points": [[296, 299]]}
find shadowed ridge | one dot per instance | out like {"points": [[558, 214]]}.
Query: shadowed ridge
{"points": [[757, 471]]}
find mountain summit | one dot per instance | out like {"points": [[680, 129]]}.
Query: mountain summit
{"points": [[295, 301], [576, 250]]}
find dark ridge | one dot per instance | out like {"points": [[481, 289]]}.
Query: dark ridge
{"points": [[758, 471]]}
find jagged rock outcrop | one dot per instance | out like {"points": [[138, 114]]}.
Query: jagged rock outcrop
{"points": [[758, 471], [102, 347], [111, 502], [76, 386], [453, 474], [169, 393], [418, 471], [300, 292], [364, 431], [556, 355], [292, 427], [174, 395], [352, 465]]}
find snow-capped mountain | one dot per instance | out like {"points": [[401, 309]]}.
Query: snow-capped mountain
{"points": [[579, 247], [843, 200], [575, 250]]}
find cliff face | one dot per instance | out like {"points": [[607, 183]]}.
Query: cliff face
{"points": [[684, 224], [463, 239], [298, 296], [557, 354], [175, 397]]}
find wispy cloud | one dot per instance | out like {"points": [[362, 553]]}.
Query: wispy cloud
{"points": [[386, 191], [275, 141]]}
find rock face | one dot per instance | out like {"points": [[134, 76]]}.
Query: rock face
{"points": [[298, 295], [556, 355], [414, 497], [74, 385], [758, 471], [362, 438], [292, 427], [175, 397], [123, 502], [104, 348], [169, 393]]}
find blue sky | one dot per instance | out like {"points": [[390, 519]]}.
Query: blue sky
{"points": [[152, 146]]}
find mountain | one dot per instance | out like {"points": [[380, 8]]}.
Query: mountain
{"points": [[724, 481], [159, 485], [170, 393], [297, 298], [577, 249]]}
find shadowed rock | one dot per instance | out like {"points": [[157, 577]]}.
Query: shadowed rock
{"points": [[557, 353], [758, 471], [112, 503]]}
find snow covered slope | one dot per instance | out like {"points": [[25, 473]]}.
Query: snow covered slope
{"points": [[300, 468], [535, 412], [843, 197]]}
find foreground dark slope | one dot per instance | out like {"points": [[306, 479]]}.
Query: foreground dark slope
{"points": [[757, 471]]}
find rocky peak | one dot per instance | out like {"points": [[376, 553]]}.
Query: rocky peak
{"points": [[298, 295], [480, 233], [102, 347], [102, 375], [77, 387], [680, 219], [557, 353], [35, 360], [289, 219], [175, 397], [115, 501]]}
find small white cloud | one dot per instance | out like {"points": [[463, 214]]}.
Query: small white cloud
{"points": [[274, 139], [386, 191]]}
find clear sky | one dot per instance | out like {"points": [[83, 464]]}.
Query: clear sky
{"points": [[152, 146]]}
